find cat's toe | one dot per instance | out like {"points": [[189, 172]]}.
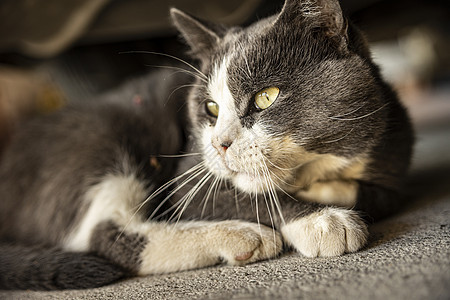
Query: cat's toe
{"points": [[243, 242], [329, 232]]}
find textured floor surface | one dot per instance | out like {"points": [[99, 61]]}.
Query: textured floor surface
{"points": [[408, 256]]}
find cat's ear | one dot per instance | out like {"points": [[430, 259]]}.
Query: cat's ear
{"points": [[323, 16], [200, 35]]}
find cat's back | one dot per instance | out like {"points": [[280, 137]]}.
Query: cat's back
{"points": [[53, 160]]}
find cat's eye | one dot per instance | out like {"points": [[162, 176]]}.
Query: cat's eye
{"points": [[212, 108], [266, 97]]}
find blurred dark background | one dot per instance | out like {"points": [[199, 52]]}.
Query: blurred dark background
{"points": [[53, 51]]}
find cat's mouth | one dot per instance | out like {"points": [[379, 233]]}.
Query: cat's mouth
{"points": [[229, 168], [249, 172], [234, 171]]}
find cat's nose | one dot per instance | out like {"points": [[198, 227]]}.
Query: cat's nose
{"points": [[221, 146], [225, 145]]}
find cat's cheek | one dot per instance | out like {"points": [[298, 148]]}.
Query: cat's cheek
{"points": [[329, 232]]}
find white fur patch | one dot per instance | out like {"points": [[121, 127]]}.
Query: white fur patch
{"points": [[227, 127], [191, 245], [219, 91], [329, 232], [111, 199]]}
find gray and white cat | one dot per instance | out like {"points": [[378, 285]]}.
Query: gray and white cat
{"points": [[289, 126]]}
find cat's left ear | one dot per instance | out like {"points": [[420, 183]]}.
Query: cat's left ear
{"points": [[324, 16], [201, 36]]}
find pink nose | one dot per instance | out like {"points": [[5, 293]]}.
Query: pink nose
{"points": [[225, 145], [222, 147]]}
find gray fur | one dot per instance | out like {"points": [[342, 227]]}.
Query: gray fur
{"points": [[70, 151], [333, 101], [53, 161], [118, 246]]}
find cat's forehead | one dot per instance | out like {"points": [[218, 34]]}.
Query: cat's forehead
{"points": [[287, 57], [251, 60]]}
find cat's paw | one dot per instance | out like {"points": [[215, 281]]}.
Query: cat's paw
{"points": [[329, 232], [239, 242]]}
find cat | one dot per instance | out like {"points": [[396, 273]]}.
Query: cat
{"points": [[289, 139]]}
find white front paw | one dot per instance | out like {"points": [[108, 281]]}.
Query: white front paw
{"points": [[329, 232]]}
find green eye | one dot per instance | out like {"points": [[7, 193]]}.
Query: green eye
{"points": [[212, 108], [266, 97]]}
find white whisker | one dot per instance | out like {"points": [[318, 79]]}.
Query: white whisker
{"points": [[181, 87], [236, 202], [169, 56], [216, 189], [349, 113], [273, 193], [257, 215], [179, 70], [278, 167], [208, 193], [179, 155], [360, 117], [156, 193], [267, 206], [187, 199], [284, 192], [186, 181], [341, 138]]}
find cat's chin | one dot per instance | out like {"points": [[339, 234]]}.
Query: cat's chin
{"points": [[252, 184], [246, 182]]}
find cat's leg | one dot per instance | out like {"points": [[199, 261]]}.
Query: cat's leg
{"points": [[377, 202], [110, 229], [327, 226], [149, 248], [316, 229], [325, 231], [313, 229]]}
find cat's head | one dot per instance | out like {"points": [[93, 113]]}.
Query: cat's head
{"points": [[288, 90]]}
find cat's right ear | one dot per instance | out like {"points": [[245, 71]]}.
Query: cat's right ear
{"points": [[323, 16], [201, 36]]}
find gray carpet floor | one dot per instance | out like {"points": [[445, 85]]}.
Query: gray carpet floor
{"points": [[408, 255]]}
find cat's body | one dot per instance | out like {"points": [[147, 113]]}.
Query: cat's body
{"points": [[288, 119]]}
